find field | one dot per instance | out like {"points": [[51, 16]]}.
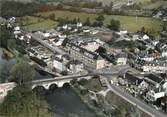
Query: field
{"points": [[31, 23], [144, 3], [130, 23], [127, 22], [155, 5], [106, 2]]}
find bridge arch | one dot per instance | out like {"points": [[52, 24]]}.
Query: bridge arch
{"points": [[61, 83], [39, 91], [38, 88], [66, 85], [53, 86]]}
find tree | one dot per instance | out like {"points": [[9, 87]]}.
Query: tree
{"points": [[95, 24], [63, 21], [5, 35], [114, 25], [52, 16], [21, 102], [21, 73], [99, 20], [64, 73], [143, 30], [4, 72], [100, 4], [78, 19], [59, 6], [87, 22], [65, 42], [107, 9], [74, 21], [111, 5]]}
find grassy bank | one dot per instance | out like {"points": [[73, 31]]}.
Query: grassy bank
{"points": [[7, 53], [111, 104]]}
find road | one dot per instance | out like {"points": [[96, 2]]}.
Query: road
{"points": [[136, 102], [112, 70], [73, 76]]}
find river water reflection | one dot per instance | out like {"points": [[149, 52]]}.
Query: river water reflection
{"points": [[65, 102]]}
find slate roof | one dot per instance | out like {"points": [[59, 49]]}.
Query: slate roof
{"points": [[133, 79], [85, 52], [154, 78]]}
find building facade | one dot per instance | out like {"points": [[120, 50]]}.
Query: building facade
{"points": [[88, 58]]}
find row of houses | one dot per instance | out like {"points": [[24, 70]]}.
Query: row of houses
{"points": [[151, 87]]}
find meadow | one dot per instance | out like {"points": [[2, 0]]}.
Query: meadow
{"points": [[32, 23], [130, 23]]}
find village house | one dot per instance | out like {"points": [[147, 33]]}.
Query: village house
{"points": [[60, 62], [135, 84], [155, 67], [158, 87], [121, 59], [164, 52], [75, 66]]}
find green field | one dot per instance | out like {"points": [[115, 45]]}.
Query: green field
{"points": [[155, 5], [107, 2], [130, 23], [31, 23], [134, 24], [146, 4], [127, 22]]}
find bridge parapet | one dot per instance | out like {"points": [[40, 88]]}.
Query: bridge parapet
{"points": [[47, 84], [5, 87]]}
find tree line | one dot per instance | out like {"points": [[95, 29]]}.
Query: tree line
{"points": [[19, 9], [99, 22]]}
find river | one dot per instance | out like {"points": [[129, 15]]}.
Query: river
{"points": [[62, 101]]}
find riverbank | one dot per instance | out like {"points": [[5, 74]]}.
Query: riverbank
{"points": [[7, 53], [88, 90], [67, 103], [105, 104]]}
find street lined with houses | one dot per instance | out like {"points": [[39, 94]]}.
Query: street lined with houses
{"points": [[134, 101]]}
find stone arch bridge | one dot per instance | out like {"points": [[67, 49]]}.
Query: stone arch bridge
{"points": [[60, 81]]}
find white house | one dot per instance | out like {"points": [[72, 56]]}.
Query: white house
{"points": [[154, 68], [145, 37], [143, 85], [153, 96], [147, 58], [58, 64], [46, 35], [21, 38], [65, 27], [135, 37], [164, 52], [17, 28], [79, 24], [76, 66], [121, 59]]}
